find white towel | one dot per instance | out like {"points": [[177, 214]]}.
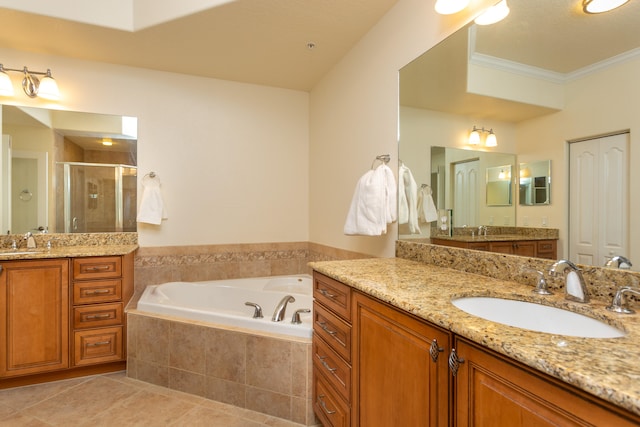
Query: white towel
{"points": [[408, 204], [427, 211], [374, 203], [151, 210]]}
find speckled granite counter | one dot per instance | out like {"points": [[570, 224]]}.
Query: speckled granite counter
{"points": [[607, 368], [67, 252], [491, 238]]}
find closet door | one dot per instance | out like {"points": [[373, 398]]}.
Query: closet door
{"points": [[599, 199], [465, 194]]}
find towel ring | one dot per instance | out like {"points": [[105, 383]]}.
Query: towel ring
{"points": [[151, 176], [25, 195], [384, 158]]}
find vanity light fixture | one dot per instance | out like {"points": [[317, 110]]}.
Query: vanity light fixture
{"points": [[107, 142], [599, 6], [449, 7], [493, 14], [45, 87], [490, 140]]}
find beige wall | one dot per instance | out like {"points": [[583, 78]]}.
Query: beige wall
{"points": [[242, 163], [354, 117], [232, 157]]}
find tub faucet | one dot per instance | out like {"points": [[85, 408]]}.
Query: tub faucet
{"points": [[618, 261], [575, 288], [278, 314]]}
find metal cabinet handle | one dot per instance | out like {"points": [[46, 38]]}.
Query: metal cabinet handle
{"points": [[326, 365], [98, 268], [324, 405], [333, 334], [96, 344], [98, 316], [435, 350], [98, 292], [455, 362], [326, 293]]}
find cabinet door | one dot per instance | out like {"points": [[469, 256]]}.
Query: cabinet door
{"points": [[398, 382], [493, 392], [34, 316], [526, 248], [502, 247]]}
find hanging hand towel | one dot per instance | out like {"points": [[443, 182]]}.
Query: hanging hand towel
{"points": [[151, 210], [408, 205], [373, 205], [427, 211]]}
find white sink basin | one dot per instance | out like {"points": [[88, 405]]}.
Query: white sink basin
{"points": [[536, 317]]}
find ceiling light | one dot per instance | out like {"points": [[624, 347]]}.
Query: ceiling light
{"points": [[599, 6], [494, 14], [448, 7], [32, 86], [490, 141]]}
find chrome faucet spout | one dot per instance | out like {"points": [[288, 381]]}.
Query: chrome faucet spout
{"points": [[279, 312], [574, 284], [619, 261]]}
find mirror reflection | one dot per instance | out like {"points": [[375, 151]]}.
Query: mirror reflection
{"points": [[541, 92], [67, 172], [535, 183]]}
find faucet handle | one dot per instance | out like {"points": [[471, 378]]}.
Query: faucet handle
{"points": [[296, 316], [618, 304], [257, 312], [541, 285]]}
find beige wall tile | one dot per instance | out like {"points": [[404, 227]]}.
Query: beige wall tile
{"points": [[152, 373], [187, 382], [152, 340], [226, 355], [187, 347], [226, 391], [269, 402], [269, 364]]}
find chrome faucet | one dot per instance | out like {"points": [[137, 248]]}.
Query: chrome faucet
{"points": [[618, 261], [618, 304], [278, 314], [573, 291], [31, 242], [482, 230]]}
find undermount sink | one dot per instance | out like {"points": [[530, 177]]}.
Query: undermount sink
{"points": [[536, 317]]}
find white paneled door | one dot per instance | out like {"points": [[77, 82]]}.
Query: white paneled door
{"points": [[465, 194], [598, 199]]}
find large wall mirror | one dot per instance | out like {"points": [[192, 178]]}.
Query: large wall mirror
{"points": [[67, 172], [544, 79]]}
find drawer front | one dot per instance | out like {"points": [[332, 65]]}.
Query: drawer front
{"points": [[96, 292], [326, 362], [97, 267], [329, 407], [333, 330], [97, 315], [334, 295], [97, 346]]}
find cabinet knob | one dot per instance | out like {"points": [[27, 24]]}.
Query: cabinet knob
{"points": [[435, 350], [455, 362]]}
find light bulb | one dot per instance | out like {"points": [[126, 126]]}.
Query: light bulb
{"points": [[48, 88], [493, 14], [448, 7]]}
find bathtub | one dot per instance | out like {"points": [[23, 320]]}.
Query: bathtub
{"points": [[223, 302]]}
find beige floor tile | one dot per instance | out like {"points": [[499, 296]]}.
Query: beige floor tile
{"points": [[208, 417], [20, 420], [22, 397]]}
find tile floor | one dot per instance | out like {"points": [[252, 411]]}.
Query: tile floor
{"points": [[115, 400]]}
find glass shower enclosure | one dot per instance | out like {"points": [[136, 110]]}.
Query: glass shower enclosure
{"points": [[98, 197]]}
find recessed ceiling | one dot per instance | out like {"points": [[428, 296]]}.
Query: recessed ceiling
{"points": [[254, 41]]}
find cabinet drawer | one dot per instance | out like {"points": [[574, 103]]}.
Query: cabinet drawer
{"points": [[97, 267], [326, 362], [97, 315], [334, 295], [97, 346], [333, 330], [330, 408], [98, 291]]}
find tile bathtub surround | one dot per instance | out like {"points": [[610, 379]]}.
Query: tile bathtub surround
{"points": [[114, 399], [602, 283], [260, 373], [156, 265]]}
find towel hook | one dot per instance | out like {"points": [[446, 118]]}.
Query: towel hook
{"points": [[384, 158]]}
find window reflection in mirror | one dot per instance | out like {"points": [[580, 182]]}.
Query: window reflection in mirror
{"points": [[535, 183], [57, 141]]}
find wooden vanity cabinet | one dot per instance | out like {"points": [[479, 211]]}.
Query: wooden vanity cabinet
{"points": [[34, 316], [400, 366], [532, 248], [331, 351], [63, 317], [100, 289], [494, 391]]}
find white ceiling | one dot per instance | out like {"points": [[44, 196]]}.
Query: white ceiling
{"points": [[552, 36], [254, 41]]}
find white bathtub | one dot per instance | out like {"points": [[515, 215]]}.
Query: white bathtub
{"points": [[223, 302]]}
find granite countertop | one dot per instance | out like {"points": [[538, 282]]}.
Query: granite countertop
{"points": [[492, 238], [66, 252], [607, 368]]}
